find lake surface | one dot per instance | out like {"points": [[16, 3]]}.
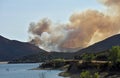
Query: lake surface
{"points": [[22, 71]]}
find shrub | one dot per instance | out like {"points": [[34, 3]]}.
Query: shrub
{"points": [[96, 75], [58, 63], [58, 60], [88, 57], [87, 74], [114, 56]]}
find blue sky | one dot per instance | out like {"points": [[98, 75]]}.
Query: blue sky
{"points": [[15, 15]]}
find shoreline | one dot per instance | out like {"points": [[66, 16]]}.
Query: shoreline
{"points": [[4, 62], [74, 68]]}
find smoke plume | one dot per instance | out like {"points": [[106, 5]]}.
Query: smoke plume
{"points": [[82, 30]]}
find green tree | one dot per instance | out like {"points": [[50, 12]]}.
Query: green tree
{"points": [[114, 56], [88, 57], [96, 75], [87, 74]]}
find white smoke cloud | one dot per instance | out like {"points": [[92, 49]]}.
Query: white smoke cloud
{"points": [[83, 29]]}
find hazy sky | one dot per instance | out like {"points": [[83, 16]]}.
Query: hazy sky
{"points": [[15, 15]]}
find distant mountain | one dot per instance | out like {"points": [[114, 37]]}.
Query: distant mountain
{"points": [[42, 57], [102, 45], [95, 48], [12, 49], [26, 52]]}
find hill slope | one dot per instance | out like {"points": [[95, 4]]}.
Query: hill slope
{"points": [[102, 45], [11, 49], [95, 48]]}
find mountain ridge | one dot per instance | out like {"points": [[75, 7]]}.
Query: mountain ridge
{"points": [[31, 51], [102, 45], [13, 49]]}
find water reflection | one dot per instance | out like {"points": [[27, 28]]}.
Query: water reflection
{"points": [[22, 71], [7, 69], [42, 75]]}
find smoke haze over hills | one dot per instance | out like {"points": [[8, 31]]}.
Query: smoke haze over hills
{"points": [[82, 29]]}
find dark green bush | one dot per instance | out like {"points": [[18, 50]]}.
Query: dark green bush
{"points": [[87, 74], [114, 55], [88, 57]]}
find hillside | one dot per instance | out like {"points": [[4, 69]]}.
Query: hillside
{"points": [[42, 57], [12, 49], [102, 45], [22, 52]]}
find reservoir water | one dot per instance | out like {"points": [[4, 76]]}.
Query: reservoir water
{"points": [[23, 71]]}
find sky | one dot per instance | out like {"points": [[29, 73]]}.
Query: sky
{"points": [[16, 15]]}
